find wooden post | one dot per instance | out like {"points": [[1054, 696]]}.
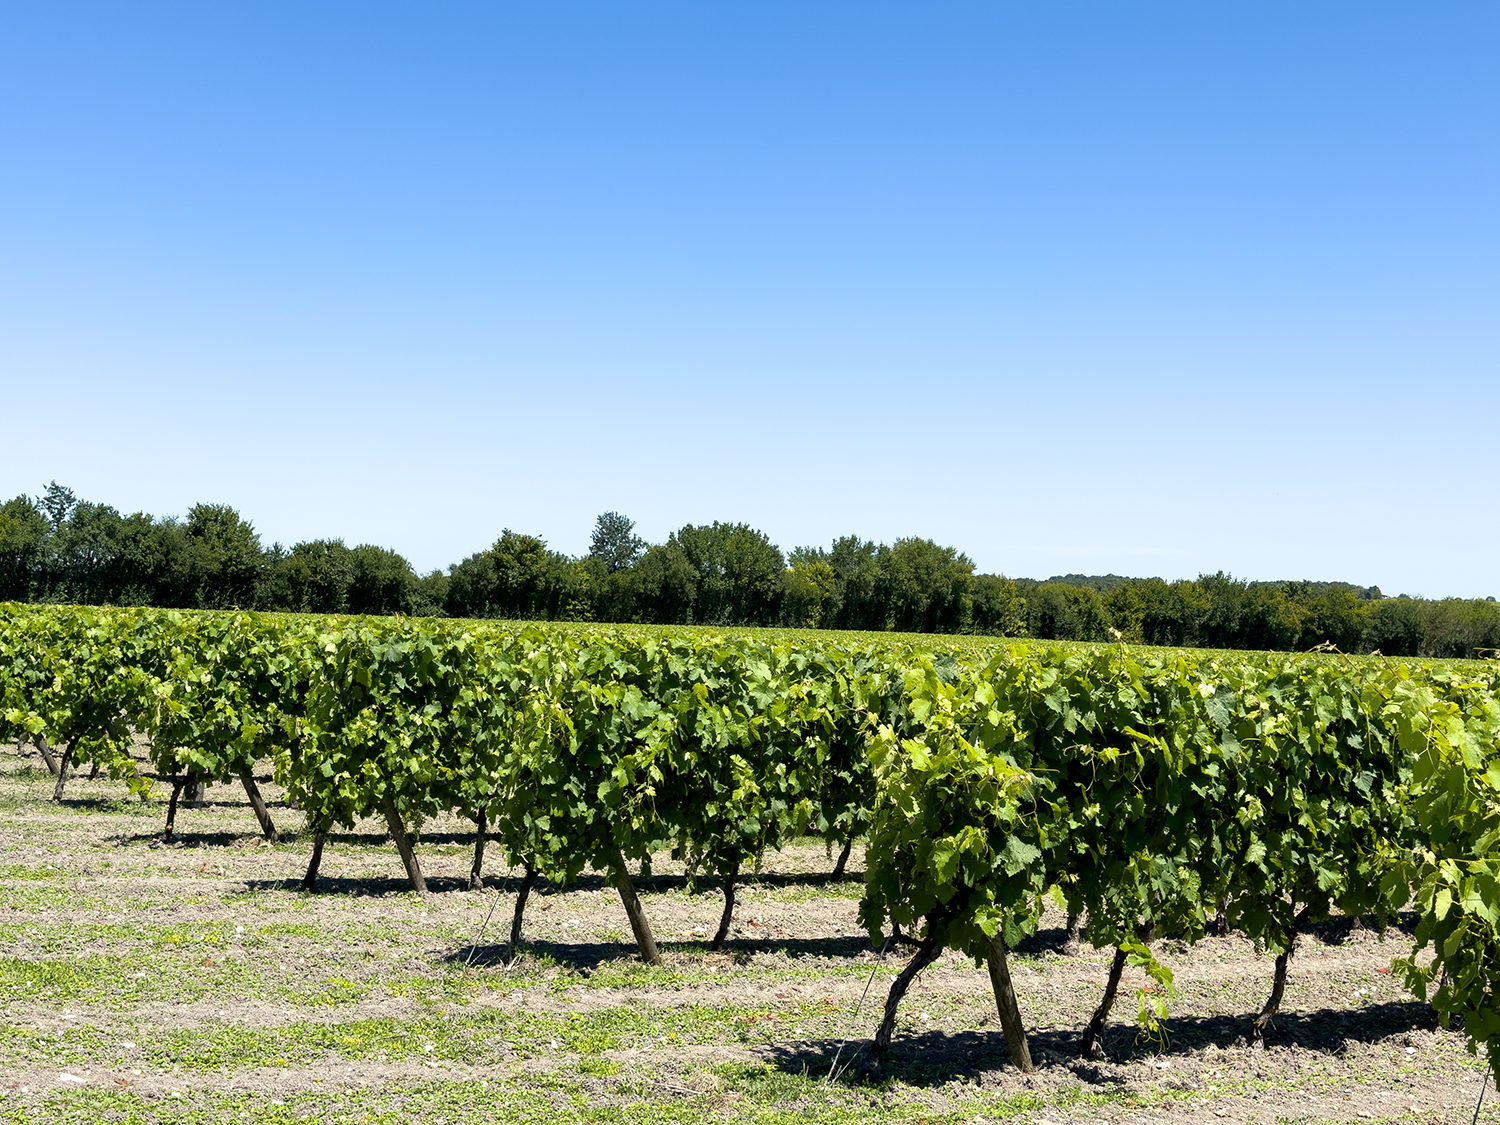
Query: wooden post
{"points": [[639, 925], [1010, 1011], [46, 751], [403, 845], [262, 814]]}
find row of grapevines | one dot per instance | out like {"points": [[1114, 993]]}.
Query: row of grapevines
{"points": [[568, 749], [1154, 791]]}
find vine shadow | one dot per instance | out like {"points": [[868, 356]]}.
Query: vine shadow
{"points": [[932, 1058], [584, 957]]}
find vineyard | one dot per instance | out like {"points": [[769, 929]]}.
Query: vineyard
{"points": [[1148, 803]]}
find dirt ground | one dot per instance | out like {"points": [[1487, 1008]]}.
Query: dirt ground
{"points": [[194, 982]]}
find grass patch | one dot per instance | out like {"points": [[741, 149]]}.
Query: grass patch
{"points": [[117, 980], [554, 1100], [22, 871], [55, 980], [806, 892], [48, 897], [291, 929], [598, 1068], [483, 1038]]}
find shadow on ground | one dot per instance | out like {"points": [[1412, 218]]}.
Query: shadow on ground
{"points": [[932, 1058], [586, 957]]}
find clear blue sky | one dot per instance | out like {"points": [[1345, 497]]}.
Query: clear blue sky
{"points": [[1142, 288]]}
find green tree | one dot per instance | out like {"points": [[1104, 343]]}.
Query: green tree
{"points": [[227, 559], [664, 586], [1221, 624], [928, 588], [86, 555], [738, 573], [58, 504], [518, 578], [1459, 628], [23, 541], [522, 569], [1395, 627], [806, 589], [154, 562], [470, 588], [1274, 616], [1056, 611], [999, 607], [857, 601], [313, 577], [430, 594], [381, 581], [614, 544], [1335, 616]]}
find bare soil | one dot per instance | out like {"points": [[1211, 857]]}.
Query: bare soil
{"points": [[144, 981]]}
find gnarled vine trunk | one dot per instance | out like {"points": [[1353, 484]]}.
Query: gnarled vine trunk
{"points": [[476, 869], [838, 868], [927, 952], [310, 880], [527, 882], [1257, 1035], [177, 784], [46, 752], [1072, 939], [723, 932], [64, 770], [1092, 1046]]}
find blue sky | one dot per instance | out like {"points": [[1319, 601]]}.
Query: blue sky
{"points": [[1148, 288]]}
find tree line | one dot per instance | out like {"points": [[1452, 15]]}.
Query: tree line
{"points": [[58, 548]]}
